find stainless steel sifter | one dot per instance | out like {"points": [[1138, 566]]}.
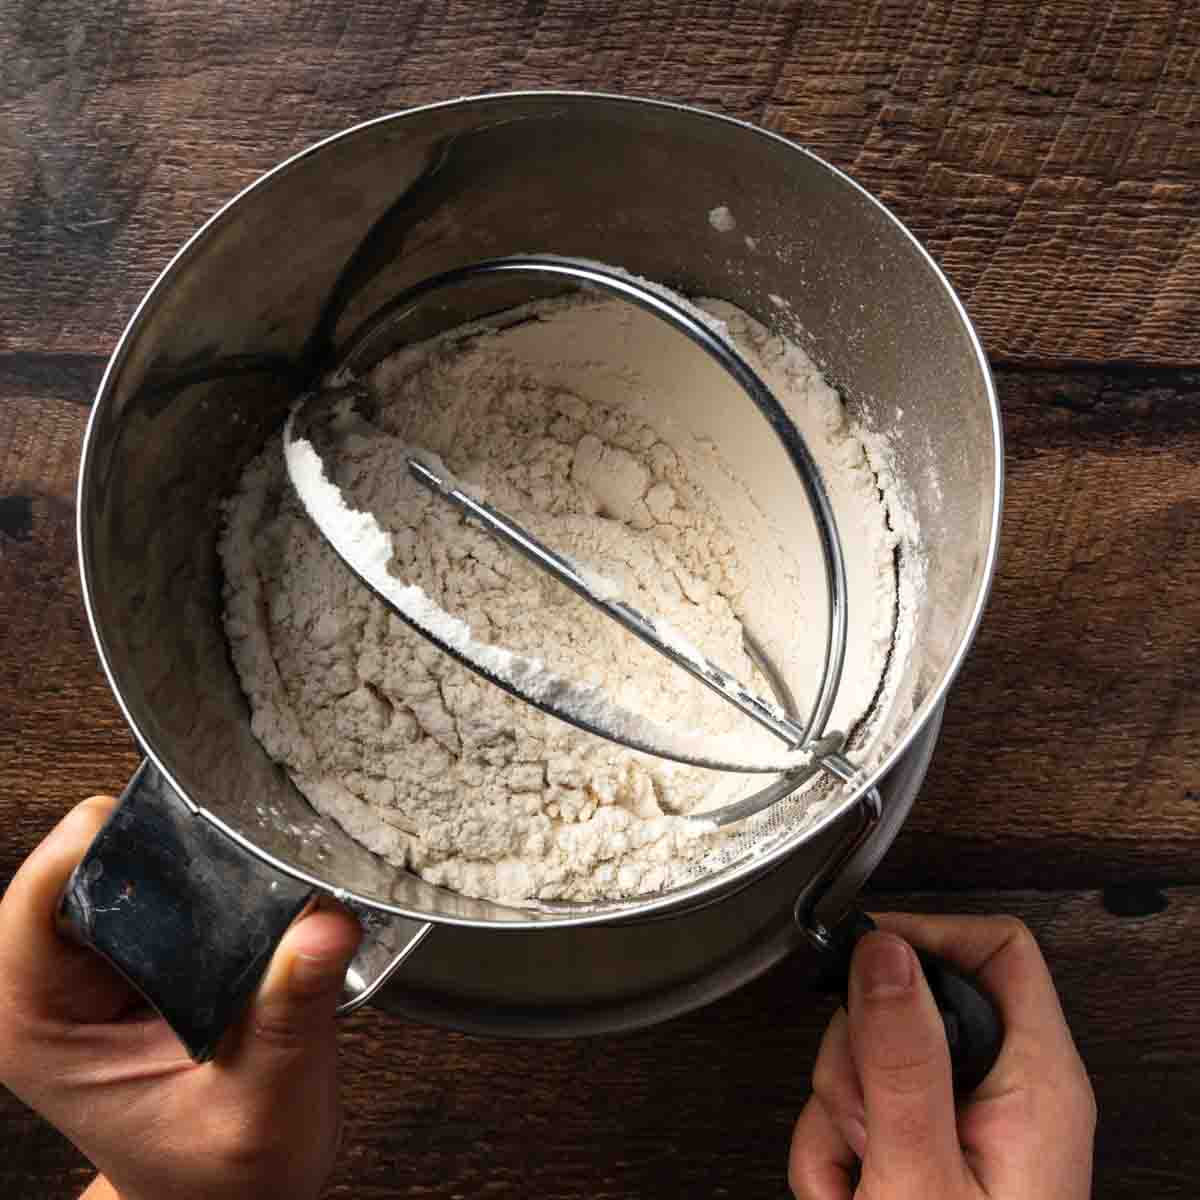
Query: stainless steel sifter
{"points": [[213, 850]]}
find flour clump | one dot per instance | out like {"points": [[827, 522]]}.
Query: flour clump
{"points": [[415, 756]]}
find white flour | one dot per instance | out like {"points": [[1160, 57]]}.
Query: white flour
{"points": [[367, 546], [438, 771]]}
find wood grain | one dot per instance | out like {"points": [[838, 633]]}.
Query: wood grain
{"points": [[1069, 757], [1068, 760], [703, 1105], [1047, 152]]}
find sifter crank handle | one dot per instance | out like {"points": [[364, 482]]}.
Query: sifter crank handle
{"points": [[973, 1028]]}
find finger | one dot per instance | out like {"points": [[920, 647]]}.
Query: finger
{"points": [[1005, 958], [820, 1162], [1029, 1126], [899, 1048], [835, 1083], [44, 975], [291, 1019]]}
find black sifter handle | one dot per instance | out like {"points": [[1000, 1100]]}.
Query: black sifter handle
{"points": [[974, 1031], [186, 915], [973, 1027]]}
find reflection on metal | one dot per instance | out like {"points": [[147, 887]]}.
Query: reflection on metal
{"points": [[387, 943]]}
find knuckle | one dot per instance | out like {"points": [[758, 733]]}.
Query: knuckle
{"points": [[1068, 1098], [246, 1149], [279, 1029], [825, 1080], [806, 1160], [1016, 932], [244, 1139], [798, 1178], [258, 1153], [834, 1078], [1082, 1104], [904, 1076], [911, 1125]]}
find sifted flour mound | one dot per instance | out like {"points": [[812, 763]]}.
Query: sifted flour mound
{"points": [[413, 754]]}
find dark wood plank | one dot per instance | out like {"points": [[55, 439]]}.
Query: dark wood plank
{"points": [[60, 729], [703, 1105], [1069, 757], [1047, 152], [1070, 754]]}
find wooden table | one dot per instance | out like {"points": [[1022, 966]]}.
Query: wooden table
{"points": [[1049, 156]]}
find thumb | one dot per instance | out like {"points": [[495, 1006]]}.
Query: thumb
{"points": [[291, 1019], [899, 1048]]}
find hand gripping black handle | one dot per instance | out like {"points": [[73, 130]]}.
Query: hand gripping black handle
{"points": [[185, 914], [974, 1031]]}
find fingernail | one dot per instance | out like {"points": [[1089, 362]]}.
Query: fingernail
{"points": [[884, 964], [312, 974], [855, 1133]]}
